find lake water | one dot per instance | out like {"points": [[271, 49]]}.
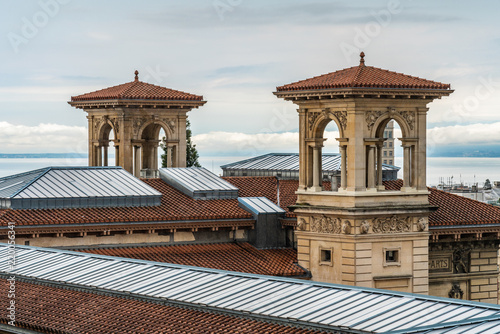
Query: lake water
{"points": [[467, 170]]}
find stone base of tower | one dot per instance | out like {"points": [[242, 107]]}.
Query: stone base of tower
{"points": [[365, 247]]}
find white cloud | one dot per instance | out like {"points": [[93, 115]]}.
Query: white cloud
{"points": [[472, 134], [236, 143], [42, 138]]}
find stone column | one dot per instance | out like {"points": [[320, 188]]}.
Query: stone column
{"points": [[155, 156], [380, 185], [105, 153], [315, 145], [371, 167], [99, 155], [169, 157], [302, 149], [117, 154], [413, 168], [343, 167], [137, 161], [406, 166]]}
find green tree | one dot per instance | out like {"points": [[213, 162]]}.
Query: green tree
{"points": [[192, 155]]}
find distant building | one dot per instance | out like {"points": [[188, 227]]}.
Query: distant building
{"points": [[286, 166], [388, 147]]}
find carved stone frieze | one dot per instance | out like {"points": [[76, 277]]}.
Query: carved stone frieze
{"points": [[346, 227], [421, 224], [301, 224], [371, 118], [326, 225], [461, 260], [365, 227], [456, 292], [409, 117], [392, 224]]}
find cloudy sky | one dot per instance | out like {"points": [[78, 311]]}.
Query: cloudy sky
{"points": [[234, 53]]}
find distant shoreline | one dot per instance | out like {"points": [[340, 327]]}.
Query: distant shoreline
{"points": [[42, 155]]}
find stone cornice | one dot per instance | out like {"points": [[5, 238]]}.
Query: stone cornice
{"points": [[339, 93]]}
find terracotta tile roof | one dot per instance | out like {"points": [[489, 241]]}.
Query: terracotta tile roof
{"points": [[136, 90], [362, 76], [53, 309], [453, 209], [240, 257], [174, 206]]}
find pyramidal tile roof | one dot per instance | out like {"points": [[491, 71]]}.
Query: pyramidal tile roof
{"points": [[363, 76], [136, 90]]}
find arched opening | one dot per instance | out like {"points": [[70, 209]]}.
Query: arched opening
{"points": [[146, 152], [328, 138], [394, 148], [331, 160], [104, 148]]}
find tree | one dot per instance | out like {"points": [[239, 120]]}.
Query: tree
{"points": [[487, 184], [192, 155]]}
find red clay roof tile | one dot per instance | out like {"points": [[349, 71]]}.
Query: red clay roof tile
{"points": [[136, 90], [453, 209], [361, 77], [174, 206], [241, 257]]}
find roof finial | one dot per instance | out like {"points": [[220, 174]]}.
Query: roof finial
{"points": [[136, 75], [362, 60]]}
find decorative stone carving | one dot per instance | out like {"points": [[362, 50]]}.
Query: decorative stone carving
{"points": [[138, 123], [339, 115], [301, 224], [371, 118], [346, 227], [98, 123], [365, 227], [392, 224], [421, 224], [116, 126], [311, 119], [326, 225], [456, 292], [409, 117], [342, 118], [461, 261], [170, 123]]}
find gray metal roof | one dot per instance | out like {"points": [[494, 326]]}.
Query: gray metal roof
{"points": [[198, 183], [259, 205], [75, 187], [290, 162], [303, 303]]}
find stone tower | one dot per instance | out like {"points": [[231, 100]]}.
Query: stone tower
{"points": [[366, 234], [134, 113]]}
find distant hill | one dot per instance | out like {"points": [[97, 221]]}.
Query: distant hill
{"points": [[465, 151], [42, 155]]}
